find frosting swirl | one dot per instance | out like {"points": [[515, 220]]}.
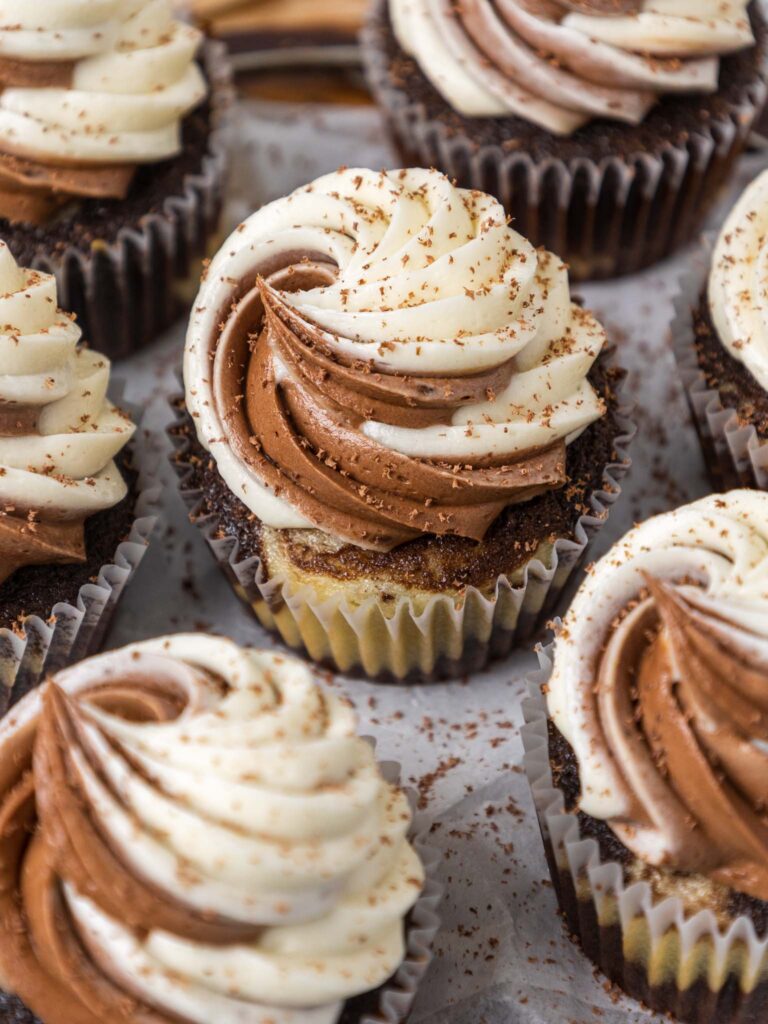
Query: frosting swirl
{"points": [[58, 432], [660, 685], [212, 842], [737, 282], [560, 64], [381, 356], [91, 90]]}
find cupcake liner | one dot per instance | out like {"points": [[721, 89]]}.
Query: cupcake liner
{"points": [[73, 631], [673, 962], [603, 218], [735, 455], [443, 640], [393, 1002], [126, 292]]}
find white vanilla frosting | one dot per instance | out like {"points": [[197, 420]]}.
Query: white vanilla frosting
{"points": [[258, 804], [58, 30], [558, 68], [738, 281], [134, 79], [431, 281], [63, 468], [715, 552]]}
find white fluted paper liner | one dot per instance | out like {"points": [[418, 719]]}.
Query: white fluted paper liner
{"points": [[675, 962], [126, 291], [396, 643], [603, 218], [73, 631], [397, 996], [735, 455]]}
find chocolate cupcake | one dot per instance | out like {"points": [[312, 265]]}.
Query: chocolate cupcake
{"points": [[111, 165], [69, 493], [651, 775], [720, 338], [193, 832], [606, 129], [401, 434]]}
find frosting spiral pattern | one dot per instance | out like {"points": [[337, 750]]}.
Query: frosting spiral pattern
{"points": [[381, 356], [213, 842], [562, 63], [738, 281], [660, 685], [58, 432], [90, 91]]}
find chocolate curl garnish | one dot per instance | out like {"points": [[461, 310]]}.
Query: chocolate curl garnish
{"points": [[82, 853]]}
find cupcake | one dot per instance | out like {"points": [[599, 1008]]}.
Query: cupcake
{"points": [[69, 492], [720, 339], [193, 832], [110, 163], [605, 128], [400, 433], [649, 762]]}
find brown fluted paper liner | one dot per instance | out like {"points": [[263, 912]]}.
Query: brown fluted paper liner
{"points": [[735, 455], [75, 631], [126, 292], [448, 637], [683, 965], [604, 219]]}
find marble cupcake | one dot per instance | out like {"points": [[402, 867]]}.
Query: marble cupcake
{"points": [[65, 504], [651, 775], [399, 418], [193, 832], [606, 129], [720, 339], [110, 166]]}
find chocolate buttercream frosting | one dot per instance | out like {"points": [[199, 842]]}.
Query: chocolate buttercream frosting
{"points": [[672, 734], [58, 432], [194, 832], [414, 368]]}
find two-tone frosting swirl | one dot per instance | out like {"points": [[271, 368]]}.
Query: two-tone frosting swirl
{"points": [[59, 434], [738, 281], [561, 63], [379, 356], [660, 685], [90, 91], [193, 832]]}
